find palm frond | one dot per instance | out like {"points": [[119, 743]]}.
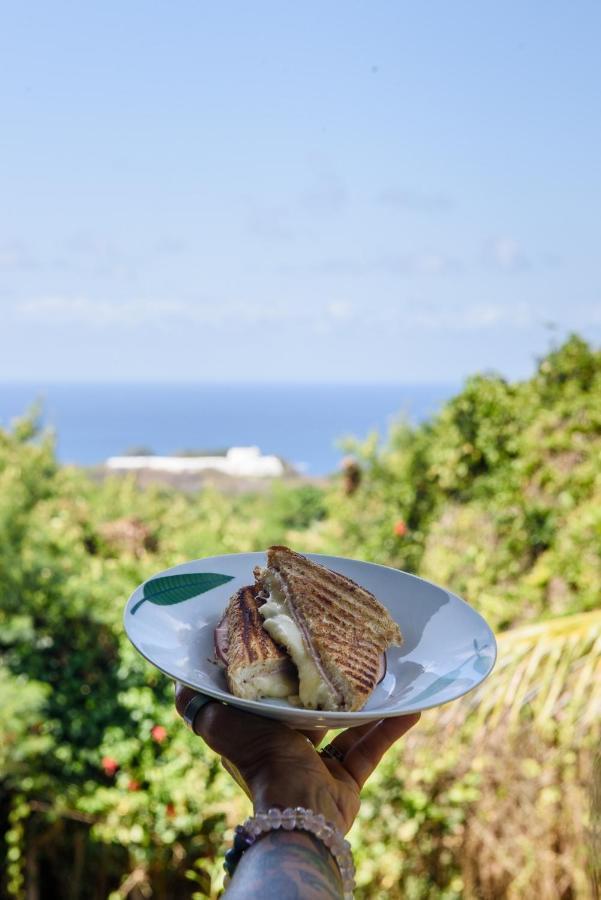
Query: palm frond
{"points": [[548, 673]]}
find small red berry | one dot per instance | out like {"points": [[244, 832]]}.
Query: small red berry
{"points": [[400, 528], [159, 733], [133, 785], [170, 810], [109, 765]]}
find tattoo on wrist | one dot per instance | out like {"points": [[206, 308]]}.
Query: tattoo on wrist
{"points": [[287, 865]]}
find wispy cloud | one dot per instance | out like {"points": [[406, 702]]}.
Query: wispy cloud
{"points": [[320, 316], [412, 200], [476, 317], [139, 312], [98, 313], [89, 253], [15, 254], [326, 197], [423, 262], [288, 218], [273, 223], [506, 253], [339, 310], [485, 316], [427, 262]]}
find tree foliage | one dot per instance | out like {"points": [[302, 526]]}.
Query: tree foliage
{"points": [[104, 794]]}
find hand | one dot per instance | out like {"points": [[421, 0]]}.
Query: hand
{"points": [[278, 766]]}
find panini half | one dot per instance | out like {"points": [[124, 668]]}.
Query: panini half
{"points": [[335, 631], [255, 666]]}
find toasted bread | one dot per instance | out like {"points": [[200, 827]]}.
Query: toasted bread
{"points": [[334, 630], [256, 666]]}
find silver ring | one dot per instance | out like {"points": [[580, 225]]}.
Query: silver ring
{"points": [[332, 752], [193, 708]]}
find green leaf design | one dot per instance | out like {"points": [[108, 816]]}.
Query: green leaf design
{"points": [[170, 589]]}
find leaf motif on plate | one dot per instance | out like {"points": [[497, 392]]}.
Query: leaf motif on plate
{"points": [[170, 589], [481, 663]]}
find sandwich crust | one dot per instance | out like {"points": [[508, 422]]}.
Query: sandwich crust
{"points": [[253, 658], [346, 629]]}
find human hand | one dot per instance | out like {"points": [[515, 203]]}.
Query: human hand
{"points": [[278, 766]]}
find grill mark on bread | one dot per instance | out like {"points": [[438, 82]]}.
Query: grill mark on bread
{"points": [[335, 607], [246, 626], [338, 613], [252, 652], [248, 639], [331, 585]]}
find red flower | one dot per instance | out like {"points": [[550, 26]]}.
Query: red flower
{"points": [[133, 785], [170, 810], [400, 528], [159, 733], [109, 765]]}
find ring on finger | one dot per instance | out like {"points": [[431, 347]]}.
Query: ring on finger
{"points": [[193, 708], [330, 751]]}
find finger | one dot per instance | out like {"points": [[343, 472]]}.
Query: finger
{"points": [[364, 756], [183, 695], [247, 741], [347, 739], [243, 738], [315, 735], [189, 703], [231, 769]]}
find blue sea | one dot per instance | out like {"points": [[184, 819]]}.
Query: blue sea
{"points": [[301, 423]]}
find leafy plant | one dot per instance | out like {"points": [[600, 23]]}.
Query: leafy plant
{"points": [[103, 793]]}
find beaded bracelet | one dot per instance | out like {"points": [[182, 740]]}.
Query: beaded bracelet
{"points": [[297, 819]]}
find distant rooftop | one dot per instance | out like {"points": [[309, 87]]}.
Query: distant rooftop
{"points": [[238, 462]]}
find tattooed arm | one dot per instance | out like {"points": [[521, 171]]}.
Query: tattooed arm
{"points": [[277, 766], [286, 865]]}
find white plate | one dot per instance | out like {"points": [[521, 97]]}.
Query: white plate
{"points": [[448, 650]]}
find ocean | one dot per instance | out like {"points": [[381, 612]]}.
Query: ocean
{"points": [[301, 423]]}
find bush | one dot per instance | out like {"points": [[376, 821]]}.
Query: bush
{"points": [[104, 794]]}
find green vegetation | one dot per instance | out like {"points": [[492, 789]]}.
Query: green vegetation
{"points": [[103, 793]]}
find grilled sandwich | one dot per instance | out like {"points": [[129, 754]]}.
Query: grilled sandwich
{"points": [[255, 667], [335, 631]]}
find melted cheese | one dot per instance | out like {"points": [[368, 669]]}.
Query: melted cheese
{"points": [[274, 685], [314, 692]]}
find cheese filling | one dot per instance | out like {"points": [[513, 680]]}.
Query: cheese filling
{"points": [[314, 692], [274, 685]]}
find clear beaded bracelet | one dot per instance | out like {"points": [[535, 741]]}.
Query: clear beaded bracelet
{"points": [[297, 819]]}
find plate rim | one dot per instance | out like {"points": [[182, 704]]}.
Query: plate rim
{"points": [[258, 707]]}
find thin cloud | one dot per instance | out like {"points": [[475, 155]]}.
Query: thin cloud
{"points": [[426, 262], [477, 317], [168, 246], [294, 217], [327, 197], [273, 223], [481, 317], [96, 313], [407, 199], [506, 253], [16, 255], [339, 310], [323, 315]]}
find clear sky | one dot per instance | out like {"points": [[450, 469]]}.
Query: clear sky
{"points": [[311, 191]]}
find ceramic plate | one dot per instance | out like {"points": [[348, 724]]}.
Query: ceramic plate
{"points": [[448, 650]]}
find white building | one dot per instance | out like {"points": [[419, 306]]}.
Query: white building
{"points": [[241, 462]]}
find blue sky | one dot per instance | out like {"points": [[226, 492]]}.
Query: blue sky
{"points": [[278, 191]]}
